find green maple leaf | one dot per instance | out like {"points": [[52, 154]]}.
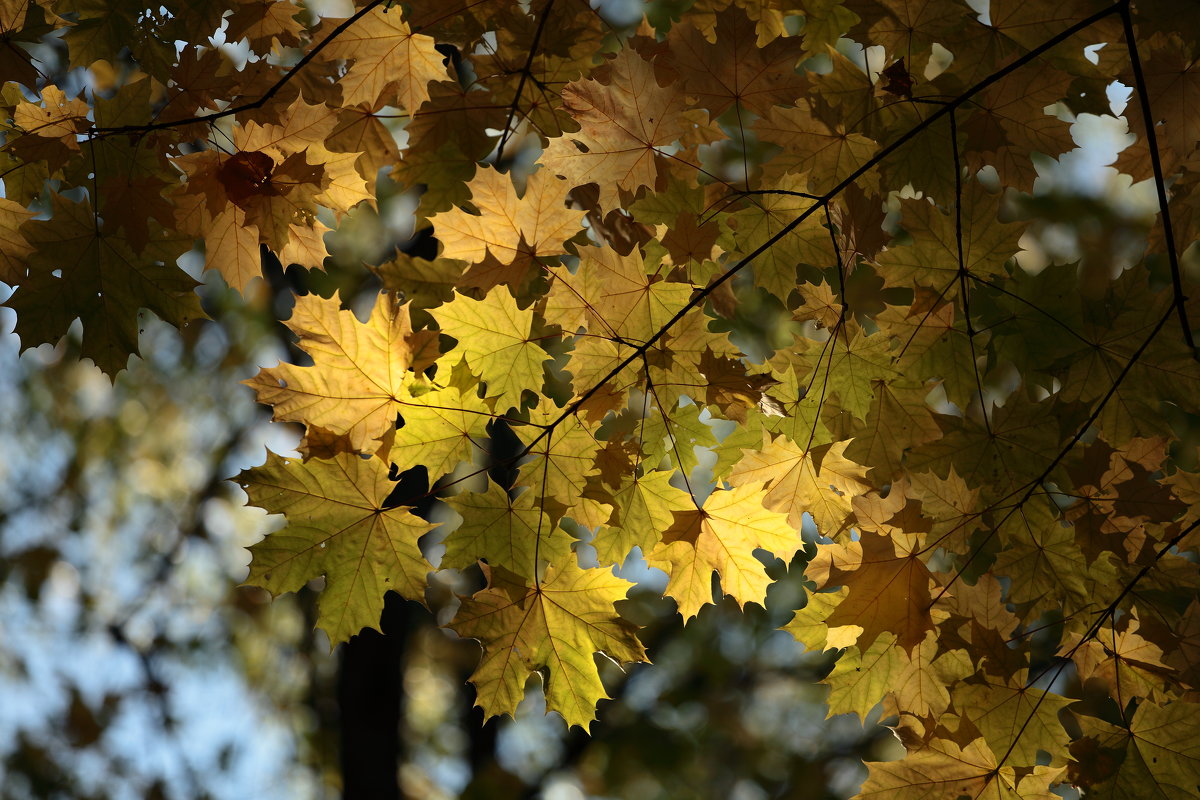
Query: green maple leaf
{"points": [[494, 337], [645, 505], [339, 526], [77, 271], [511, 533]]}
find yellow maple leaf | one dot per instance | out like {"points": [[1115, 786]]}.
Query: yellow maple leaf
{"points": [[387, 60], [594, 358], [810, 624], [795, 484], [509, 227], [721, 537], [441, 429], [559, 460], [359, 374], [861, 678], [915, 683], [555, 626]]}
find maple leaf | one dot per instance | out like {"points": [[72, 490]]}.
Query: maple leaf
{"points": [[1011, 124], [795, 484], [623, 121], [14, 248], [1128, 664], [946, 770], [359, 376], [933, 258], [51, 127], [1044, 548], [1158, 752], [915, 684], [266, 24], [888, 588], [673, 434], [494, 339], [721, 537], [15, 62], [510, 228], [621, 297], [738, 68], [386, 59], [79, 272], [511, 533], [555, 626], [338, 526], [556, 44], [827, 155], [441, 430], [860, 679], [766, 217], [268, 192], [560, 458], [643, 506], [845, 367], [897, 421], [1016, 719]]}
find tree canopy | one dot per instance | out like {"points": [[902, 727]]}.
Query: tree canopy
{"points": [[715, 288]]}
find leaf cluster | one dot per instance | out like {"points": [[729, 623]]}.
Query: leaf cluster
{"points": [[744, 282]]}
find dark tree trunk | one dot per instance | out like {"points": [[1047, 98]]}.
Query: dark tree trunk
{"points": [[371, 679], [371, 701]]}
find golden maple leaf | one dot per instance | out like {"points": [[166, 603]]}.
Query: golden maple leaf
{"points": [[509, 227], [360, 373], [386, 60], [721, 537], [623, 121], [555, 626]]}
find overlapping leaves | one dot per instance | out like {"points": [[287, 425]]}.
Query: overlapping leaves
{"points": [[728, 237]]}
